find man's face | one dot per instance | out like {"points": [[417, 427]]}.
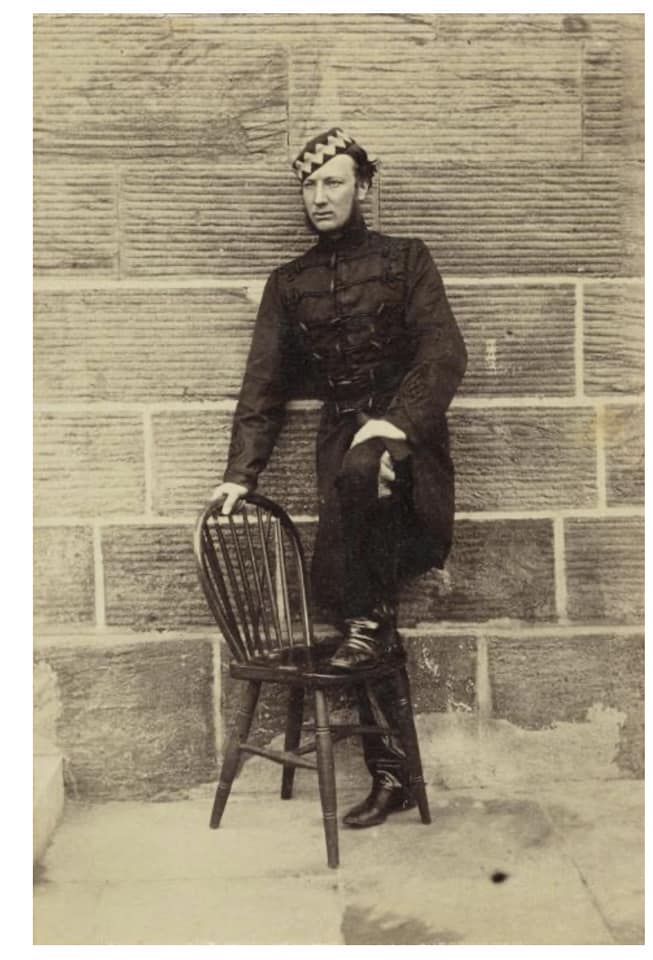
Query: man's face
{"points": [[330, 193]]}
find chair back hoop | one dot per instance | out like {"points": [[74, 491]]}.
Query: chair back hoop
{"points": [[253, 572]]}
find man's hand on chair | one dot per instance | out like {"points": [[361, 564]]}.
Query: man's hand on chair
{"points": [[231, 494]]}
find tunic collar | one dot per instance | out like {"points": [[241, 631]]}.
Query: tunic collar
{"points": [[353, 234]]}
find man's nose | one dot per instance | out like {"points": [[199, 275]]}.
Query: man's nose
{"points": [[320, 195]]}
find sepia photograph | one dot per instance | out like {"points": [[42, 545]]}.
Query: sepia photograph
{"points": [[338, 543]]}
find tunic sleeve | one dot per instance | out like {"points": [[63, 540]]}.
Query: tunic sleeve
{"points": [[440, 358], [265, 388]]}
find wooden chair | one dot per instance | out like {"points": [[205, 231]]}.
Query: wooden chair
{"points": [[253, 572]]}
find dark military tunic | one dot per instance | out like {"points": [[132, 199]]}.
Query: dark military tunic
{"points": [[363, 324]]}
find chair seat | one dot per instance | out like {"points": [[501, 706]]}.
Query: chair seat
{"points": [[308, 666]]}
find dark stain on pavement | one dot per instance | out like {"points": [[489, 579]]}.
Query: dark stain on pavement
{"points": [[523, 821], [367, 927]]}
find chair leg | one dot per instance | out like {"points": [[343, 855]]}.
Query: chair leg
{"points": [[406, 723], [293, 736], [327, 777], [239, 733]]}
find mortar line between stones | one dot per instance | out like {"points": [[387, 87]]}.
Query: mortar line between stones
{"points": [[532, 279], [119, 218], [290, 76], [488, 516], [238, 281], [601, 465], [98, 574], [379, 197], [228, 406], [483, 686], [54, 284], [560, 568], [148, 461], [445, 630], [581, 80], [530, 401], [579, 364], [217, 693]]}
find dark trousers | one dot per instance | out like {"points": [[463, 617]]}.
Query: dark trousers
{"points": [[355, 557], [371, 531], [384, 755]]}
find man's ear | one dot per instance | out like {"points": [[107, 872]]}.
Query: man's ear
{"points": [[362, 189]]}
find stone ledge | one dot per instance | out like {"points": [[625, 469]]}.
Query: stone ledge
{"points": [[63, 635], [48, 796]]}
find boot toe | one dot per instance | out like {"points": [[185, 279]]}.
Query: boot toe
{"points": [[351, 655], [361, 807], [346, 659], [387, 800]]}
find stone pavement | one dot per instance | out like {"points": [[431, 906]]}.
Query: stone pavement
{"points": [[560, 863]]}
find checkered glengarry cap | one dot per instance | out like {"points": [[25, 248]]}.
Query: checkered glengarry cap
{"points": [[320, 150]]}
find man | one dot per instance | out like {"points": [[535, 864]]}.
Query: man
{"points": [[360, 321]]}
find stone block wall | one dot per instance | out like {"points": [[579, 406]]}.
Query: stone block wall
{"points": [[513, 145]]}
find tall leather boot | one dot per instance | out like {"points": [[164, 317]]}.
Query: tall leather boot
{"points": [[390, 792], [383, 799]]}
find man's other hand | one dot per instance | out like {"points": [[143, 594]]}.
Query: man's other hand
{"points": [[231, 494], [386, 475]]}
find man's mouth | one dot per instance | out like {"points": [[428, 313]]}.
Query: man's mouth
{"points": [[322, 214]]}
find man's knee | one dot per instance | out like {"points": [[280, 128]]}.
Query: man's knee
{"points": [[359, 470]]}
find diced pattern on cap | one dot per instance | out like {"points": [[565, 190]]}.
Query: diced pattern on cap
{"points": [[320, 150]]}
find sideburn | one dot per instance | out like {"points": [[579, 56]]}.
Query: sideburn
{"points": [[355, 219]]}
